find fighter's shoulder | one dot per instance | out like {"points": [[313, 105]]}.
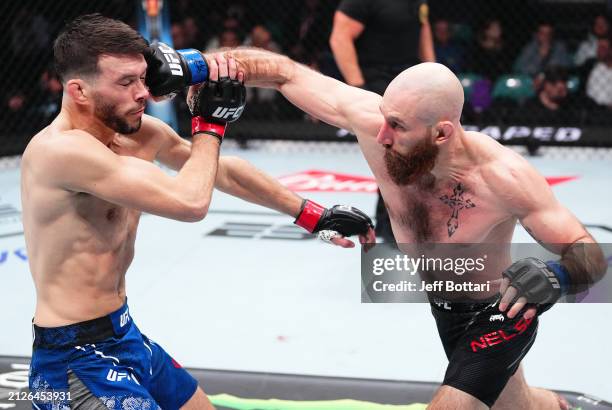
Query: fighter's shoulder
{"points": [[504, 170], [363, 110], [55, 148]]}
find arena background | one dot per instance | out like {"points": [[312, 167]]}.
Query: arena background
{"points": [[242, 291]]}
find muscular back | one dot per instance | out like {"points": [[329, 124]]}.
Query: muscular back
{"points": [[79, 246]]}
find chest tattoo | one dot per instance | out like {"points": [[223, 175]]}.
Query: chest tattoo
{"points": [[456, 202]]}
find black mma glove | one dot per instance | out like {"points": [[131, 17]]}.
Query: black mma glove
{"points": [[215, 104], [540, 283], [344, 219], [169, 70]]}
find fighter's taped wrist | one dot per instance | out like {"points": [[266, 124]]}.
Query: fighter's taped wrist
{"points": [[198, 68], [562, 275], [200, 125], [310, 215]]}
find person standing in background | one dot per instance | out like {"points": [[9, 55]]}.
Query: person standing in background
{"points": [[372, 42]]}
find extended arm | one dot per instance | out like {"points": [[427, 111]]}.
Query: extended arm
{"points": [[321, 96], [240, 178]]}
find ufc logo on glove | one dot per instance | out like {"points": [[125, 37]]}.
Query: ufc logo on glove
{"points": [[170, 55], [226, 113]]}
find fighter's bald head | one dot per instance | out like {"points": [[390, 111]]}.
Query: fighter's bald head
{"points": [[429, 92]]}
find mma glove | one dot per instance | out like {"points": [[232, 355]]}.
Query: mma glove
{"points": [[215, 104], [344, 219], [540, 283], [169, 70]]}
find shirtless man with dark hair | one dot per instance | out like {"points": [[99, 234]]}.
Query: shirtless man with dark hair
{"points": [[86, 179]]}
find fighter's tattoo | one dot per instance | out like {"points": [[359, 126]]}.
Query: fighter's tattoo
{"points": [[456, 202]]}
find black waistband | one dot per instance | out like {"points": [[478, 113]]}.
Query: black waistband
{"points": [[116, 323], [91, 331], [467, 306]]}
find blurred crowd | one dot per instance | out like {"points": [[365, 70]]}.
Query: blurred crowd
{"points": [[549, 80], [299, 29]]}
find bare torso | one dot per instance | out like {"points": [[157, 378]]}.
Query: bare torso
{"points": [[79, 246], [451, 211]]}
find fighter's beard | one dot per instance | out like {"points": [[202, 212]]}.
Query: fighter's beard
{"points": [[410, 168], [107, 114]]}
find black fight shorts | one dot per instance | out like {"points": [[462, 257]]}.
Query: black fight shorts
{"points": [[484, 347]]}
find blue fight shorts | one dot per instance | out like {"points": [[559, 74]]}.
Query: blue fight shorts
{"points": [[105, 363]]}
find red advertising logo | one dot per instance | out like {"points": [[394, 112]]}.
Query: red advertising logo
{"points": [[559, 180], [325, 181]]}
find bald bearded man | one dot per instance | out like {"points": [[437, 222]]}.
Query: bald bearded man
{"points": [[420, 155]]}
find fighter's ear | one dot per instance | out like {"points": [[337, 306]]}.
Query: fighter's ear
{"points": [[78, 90], [443, 131]]}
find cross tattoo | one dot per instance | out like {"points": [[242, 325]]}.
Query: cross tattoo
{"points": [[456, 202]]}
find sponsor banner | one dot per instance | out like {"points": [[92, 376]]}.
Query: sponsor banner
{"points": [[511, 134], [559, 135]]}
